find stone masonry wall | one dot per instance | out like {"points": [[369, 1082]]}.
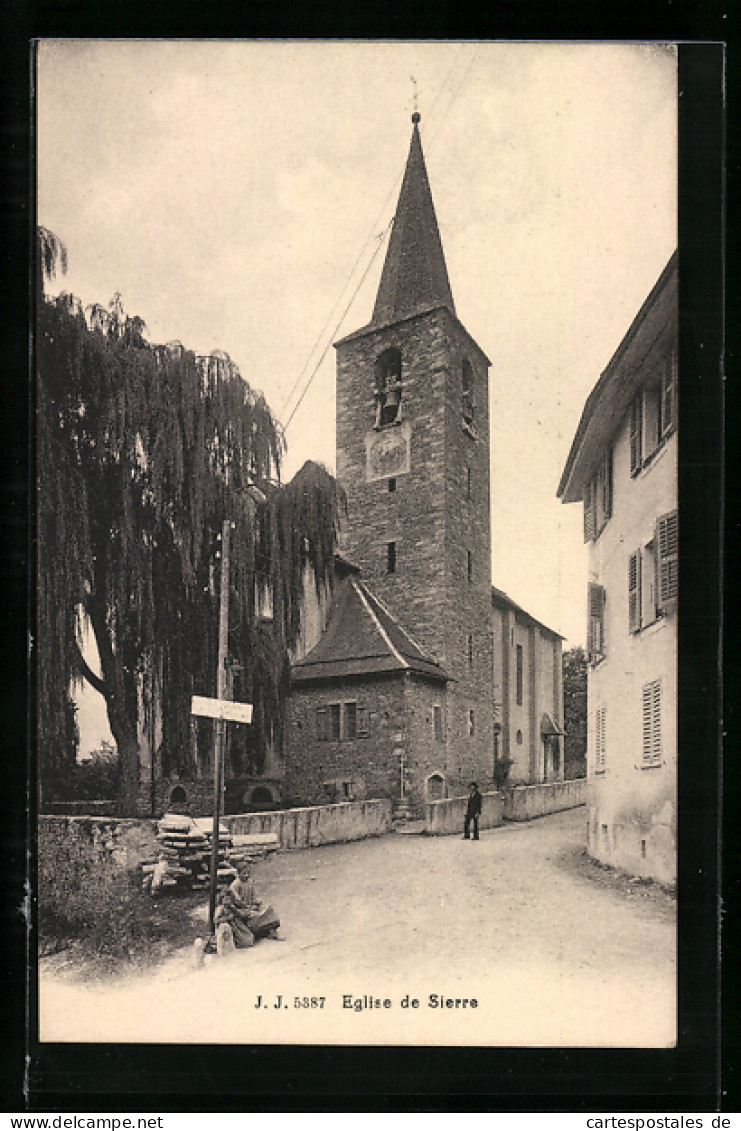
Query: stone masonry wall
{"points": [[371, 764], [429, 515]]}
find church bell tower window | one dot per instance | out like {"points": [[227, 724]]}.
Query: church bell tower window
{"points": [[387, 395]]}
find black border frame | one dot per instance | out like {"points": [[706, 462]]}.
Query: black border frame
{"points": [[192, 1078]]}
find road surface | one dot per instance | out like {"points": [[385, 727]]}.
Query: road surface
{"points": [[552, 950]]}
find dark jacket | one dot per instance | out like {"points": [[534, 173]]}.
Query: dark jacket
{"points": [[473, 808]]}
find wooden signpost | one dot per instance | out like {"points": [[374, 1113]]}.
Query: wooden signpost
{"points": [[220, 709]]}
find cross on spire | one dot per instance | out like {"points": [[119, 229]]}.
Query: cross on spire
{"points": [[416, 115]]}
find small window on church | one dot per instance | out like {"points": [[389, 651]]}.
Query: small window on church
{"points": [[391, 557], [471, 723], [392, 485], [387, 394], [467, 391], [470, 566], [468, 482]]}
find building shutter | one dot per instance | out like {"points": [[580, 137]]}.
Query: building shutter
{"points": [[607, 486], [322, 731], [647, 718], [600, 743], [652, 722], [589, 523], [636, 433], [351, 720], [634, 591], [595, 622], [656, 722], [667, 556], [362, 722], [669, 394]]}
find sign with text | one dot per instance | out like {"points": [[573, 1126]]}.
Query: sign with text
{"points": [[222, 709]]}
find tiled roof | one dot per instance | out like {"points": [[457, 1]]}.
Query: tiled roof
{"points": [[362, 638]]}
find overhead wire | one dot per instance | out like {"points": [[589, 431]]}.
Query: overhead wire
{"points": [[380, 237], [379, 245]]}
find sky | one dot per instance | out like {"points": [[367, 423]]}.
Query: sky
{"points": [[232, 192]]}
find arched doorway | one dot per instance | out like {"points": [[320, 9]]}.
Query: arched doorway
{"points": [[435, 787], [261, 797]]}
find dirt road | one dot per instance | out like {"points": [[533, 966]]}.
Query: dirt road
{"points": [[551, 950]]}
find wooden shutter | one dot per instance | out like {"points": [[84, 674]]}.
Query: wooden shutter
{"points": [[595, 621], [647, 720], [322, 731], [362, 721], [636, 433], [667, 556], [607, 486], [652, 722], [600, 745], [634, 591], [669, 394], [589, 523]]}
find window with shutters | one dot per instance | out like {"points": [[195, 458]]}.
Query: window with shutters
{"points": [[666, 542], [600, 740], [341, 721], [634, 591], [651, 695], [597, 498], [589, 523], [596, 622], [636, 434], [668, 406]]}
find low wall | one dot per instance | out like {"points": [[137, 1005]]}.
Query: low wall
{"points": [[445, 817], [523, 802], [88, 864], [80, 808], [319, 824]]}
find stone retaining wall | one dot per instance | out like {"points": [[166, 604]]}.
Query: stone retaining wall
{"points": [[523, 802], [87, 863], [320, 824], [442, 818]]}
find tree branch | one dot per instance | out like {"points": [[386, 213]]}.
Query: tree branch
{"points": [[93, 679]]}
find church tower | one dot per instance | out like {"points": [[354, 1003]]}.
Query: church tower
{"points": [[413, 458]]}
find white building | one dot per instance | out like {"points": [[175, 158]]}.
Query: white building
{"points": [[623, 466]]}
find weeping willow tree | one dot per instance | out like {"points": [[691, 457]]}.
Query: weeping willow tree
{"points": [[142, 452]]}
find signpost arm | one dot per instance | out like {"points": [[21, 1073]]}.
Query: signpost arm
{"points": [[220, 724]]}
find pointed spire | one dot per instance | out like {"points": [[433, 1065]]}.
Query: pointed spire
{"points": [[414, 276]]}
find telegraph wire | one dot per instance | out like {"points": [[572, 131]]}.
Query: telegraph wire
{"points": [[379, 245], [371, 235]]}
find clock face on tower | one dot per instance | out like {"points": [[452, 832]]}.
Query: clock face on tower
{"points": [[388, 452]]}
